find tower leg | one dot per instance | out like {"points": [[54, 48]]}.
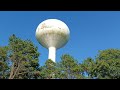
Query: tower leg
{"points": [[52, 53]]}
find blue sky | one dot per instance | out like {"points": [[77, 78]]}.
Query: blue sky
{"points": [[90, 31]]}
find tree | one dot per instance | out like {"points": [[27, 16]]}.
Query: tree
{"points": [[107, 65], [4, 63], [108, 54], [19, 60], [87, 67], [48, 71], [69, 68], [24, 58]]}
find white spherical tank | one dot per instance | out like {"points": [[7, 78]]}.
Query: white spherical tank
{"points": [[52, 34]]}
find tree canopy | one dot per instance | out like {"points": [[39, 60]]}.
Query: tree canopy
{"points": [[20, 60]]}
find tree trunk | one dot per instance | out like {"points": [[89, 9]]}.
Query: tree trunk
{"points": [[11, 72]]}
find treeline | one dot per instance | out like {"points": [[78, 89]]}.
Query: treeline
{"points": [[19, 60]]}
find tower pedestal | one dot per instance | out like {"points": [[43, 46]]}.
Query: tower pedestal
{"points": [[52, 53]]}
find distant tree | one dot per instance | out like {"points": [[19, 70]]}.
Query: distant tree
{"points": [[24, 58]]}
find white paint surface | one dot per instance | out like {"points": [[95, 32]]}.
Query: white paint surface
{"points": [[52, 34], [52, 53]]}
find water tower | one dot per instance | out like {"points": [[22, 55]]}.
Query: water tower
{"points": [[52, 34]]}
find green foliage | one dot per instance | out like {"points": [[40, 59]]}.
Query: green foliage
{"points": [[69, 68], [4, 62], [48, 71], [107, 65], [19, 60], [106, 69], [87, 67], [24, 58], [109, 54]]}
